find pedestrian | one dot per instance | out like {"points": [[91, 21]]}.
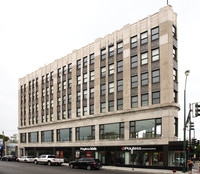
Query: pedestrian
{"points": [[189, 166]]}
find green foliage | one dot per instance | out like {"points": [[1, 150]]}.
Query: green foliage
{"points": [[197, 151], [4, 137]]}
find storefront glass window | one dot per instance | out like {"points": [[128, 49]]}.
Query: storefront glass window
{"points": [[85, 133], [47, 136], [64, 134], [33, 137], [175, 158], [146, 128], [112, 131]]}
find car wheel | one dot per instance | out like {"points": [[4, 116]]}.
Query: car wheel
{"points": [[35, 162], [71, 166], [25, 161], [49, 163], [89, 167]]}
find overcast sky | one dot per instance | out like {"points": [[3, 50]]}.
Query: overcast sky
{"points": [[36, 32]]}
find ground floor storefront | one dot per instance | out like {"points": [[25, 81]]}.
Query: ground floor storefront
{"points": [[152, 156]]}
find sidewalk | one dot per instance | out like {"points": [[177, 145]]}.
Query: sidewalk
{"points": [[146, 170]]}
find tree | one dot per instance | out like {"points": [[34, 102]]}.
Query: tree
{"points": [[4, 137]]}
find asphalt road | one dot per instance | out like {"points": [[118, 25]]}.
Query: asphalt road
{"points": [[30, 168]]}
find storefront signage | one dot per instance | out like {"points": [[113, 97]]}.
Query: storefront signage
{"points": [[137, 148], [88, 148]]}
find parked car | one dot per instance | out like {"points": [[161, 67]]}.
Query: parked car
{"points": [[8, 158], [87, 163], [26, 159], [48, 159]]}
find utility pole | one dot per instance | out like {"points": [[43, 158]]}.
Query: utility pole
{"points": [[167, 2], [3, 144]]}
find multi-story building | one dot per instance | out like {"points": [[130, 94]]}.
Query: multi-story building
{"points": [[115, 99]]}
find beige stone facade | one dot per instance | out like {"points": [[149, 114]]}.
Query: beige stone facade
{"points": [[53, 90]]}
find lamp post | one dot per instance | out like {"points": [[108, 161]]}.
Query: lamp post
{"points": [[184, 126]]}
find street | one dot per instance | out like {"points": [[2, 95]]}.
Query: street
{"points": [[30, 168]]}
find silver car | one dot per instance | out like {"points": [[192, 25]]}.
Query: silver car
{"points": [[26, 159]]}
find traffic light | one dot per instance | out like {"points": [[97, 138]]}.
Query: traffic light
{"points": [[191, 125], [188, 147], [197, 109], [194, 141]]}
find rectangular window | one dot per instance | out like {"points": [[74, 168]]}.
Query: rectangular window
{"points": [[144, 58], [174, 53], [85, 94], [69, 83], [120, 104], [79, 64], [58, 116], [111, 50], [111, 69], [144, 38], [59, 72], [103, 54], [91, 59], [23, 138], [91, 92], [85, 133], [33, 137], [119, 85], [85, 61], [134, 61], [84, 78], [64, 99], [78, 80], [144, 79], [64, 70], [69, 68], [134, 81], [134, 42], [91, 75], [155, 54], [51, 76], [78, 112], [155, 97], [174, 31], [119, 66], [103, 107], [175, 75], [145, 100], [64, 85], [111, 106], [91, 109], [59, 101], [134, 101], [156, 76], [69, 98], [111, 87], [176, 127], [69, 113], [154, 33], [103, 89], [175, 95], [146, 128], [64, 134], [63, 114], [59, 87], [103, 71], [119, 47], [78, 96], [84, 110], [111, 131], [47, 136]]}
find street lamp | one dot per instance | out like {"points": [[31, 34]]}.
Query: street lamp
{"points": [[184, 126]]}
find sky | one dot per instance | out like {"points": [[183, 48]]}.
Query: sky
{"points": [[34, 33]]}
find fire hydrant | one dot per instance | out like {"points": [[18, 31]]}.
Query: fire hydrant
{"points": [[174, 170]]}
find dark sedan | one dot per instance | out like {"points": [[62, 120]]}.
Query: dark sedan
{"points": [[8, 158], [87, 163]]}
